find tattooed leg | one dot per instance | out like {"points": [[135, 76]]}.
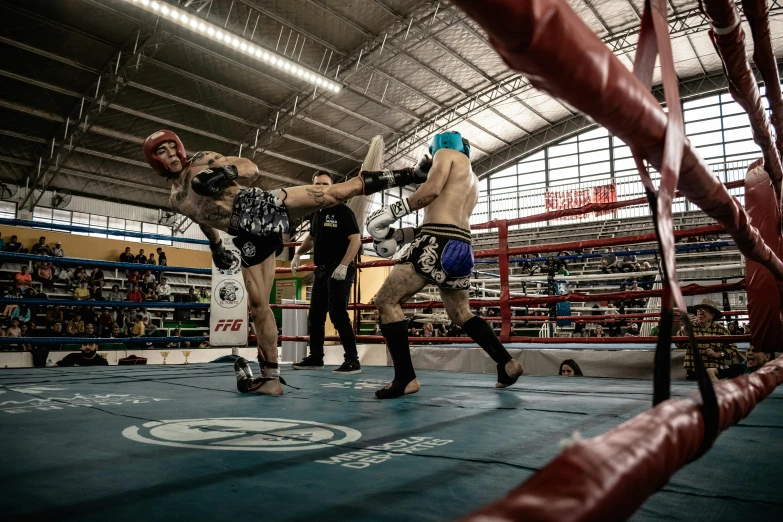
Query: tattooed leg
{"points": [[305, 200]]}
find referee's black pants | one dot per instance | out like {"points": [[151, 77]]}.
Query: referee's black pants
{"points": [[330, 295]]}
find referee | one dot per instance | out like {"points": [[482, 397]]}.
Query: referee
{"points": [[335, 235]]}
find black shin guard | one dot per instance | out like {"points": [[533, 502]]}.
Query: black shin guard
{"points": [[481, 332], [378, 181], [396, 335]]}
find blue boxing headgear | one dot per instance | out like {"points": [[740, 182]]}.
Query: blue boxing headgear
{"points": [[450, 140]]}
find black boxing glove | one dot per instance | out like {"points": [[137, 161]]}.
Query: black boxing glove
{"points": [[207, 182], [223, 258], [422, 169]]}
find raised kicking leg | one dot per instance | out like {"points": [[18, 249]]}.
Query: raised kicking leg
{"points": [[402, 284], [258, 281], [457, 304]]}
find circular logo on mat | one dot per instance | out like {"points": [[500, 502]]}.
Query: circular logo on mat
{"points": [[242, 434], [229, 293]]}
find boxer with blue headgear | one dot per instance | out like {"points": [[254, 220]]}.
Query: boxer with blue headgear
{"points": [[441, 254]]}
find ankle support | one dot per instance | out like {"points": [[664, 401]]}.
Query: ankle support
{"points": [[396, 335]]}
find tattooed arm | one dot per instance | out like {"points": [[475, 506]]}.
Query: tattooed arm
{"points": [[248, 171], [436, 180]]}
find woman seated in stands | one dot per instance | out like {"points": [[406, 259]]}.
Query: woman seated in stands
{"points": [[569, 368], [599, 331], [115, 294], [734, 328]]}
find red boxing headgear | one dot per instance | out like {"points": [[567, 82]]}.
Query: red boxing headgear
{"points": [[152, 143]]}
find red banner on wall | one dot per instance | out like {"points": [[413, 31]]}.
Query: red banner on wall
{"points": [[575, 198]]}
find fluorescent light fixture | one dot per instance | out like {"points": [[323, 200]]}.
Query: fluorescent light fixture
{"points": [[215, 33]]}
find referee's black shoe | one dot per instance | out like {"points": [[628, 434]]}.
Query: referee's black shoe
{"points": [[309, 363], [348, 368]]}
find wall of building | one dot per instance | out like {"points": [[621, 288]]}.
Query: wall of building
{"points": [[106, 249]]}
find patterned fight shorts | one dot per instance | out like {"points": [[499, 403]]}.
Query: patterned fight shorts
{"points": [[259, 213], [443, 255], [258, 219]]}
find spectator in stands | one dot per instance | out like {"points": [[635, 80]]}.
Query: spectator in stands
{"points": [[141, 258], [173, 344], [22, 312], [82, 292], [2, 241], [65, 276], [9, 308], [96, 292], [164, 290], [133, 279], [734, 328], [76, 325], [14, 246], [57, 251], [88, 356], [151, 294], [634, 331], [161, 257], [428, 330], [115, 294], [628, 261], [25, 332], [45, 275], [135, 295], [114, 332], [599, 331], [96, 277], [23, 279], [377, 329], [89, 330], [151, 259], [609, 261], [105, 320], [127, 256], [41, 248], [41, 351], [714, 354], [130, 319], [569, 368], [79, 274], [615, 324], [203, 295], [54, 315], [138, 327], [148, 281], [14, 330]]}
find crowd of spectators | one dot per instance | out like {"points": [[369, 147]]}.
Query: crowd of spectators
{"points": [[88, 285]]}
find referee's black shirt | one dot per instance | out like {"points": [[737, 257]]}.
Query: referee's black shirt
{"points": [[330, 229]]}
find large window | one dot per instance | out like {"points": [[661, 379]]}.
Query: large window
{"points": [[715, 124], [7, 210], [82, 219]]}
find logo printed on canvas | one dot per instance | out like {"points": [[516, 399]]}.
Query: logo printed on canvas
{"points": [[242, 434]]}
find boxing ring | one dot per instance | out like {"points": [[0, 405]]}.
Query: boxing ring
{"points": [[179, 440]]}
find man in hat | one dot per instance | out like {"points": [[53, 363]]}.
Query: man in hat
{"points": [[714, 354], [58, 251]]}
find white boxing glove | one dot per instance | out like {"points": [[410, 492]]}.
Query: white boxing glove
{"points": [[295, 263], [397, 238], [378, 224]]}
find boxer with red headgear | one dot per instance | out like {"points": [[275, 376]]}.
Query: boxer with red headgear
{"points": [[209, 188]]}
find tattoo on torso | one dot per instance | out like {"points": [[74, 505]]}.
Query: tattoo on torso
{"points": [[182, 194], [211, 211]]}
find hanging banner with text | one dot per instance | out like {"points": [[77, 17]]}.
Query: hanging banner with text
{"points": [[575, 198], [228, 319]]}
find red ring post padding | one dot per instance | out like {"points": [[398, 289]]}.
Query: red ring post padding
{"points": [[610, 476]]}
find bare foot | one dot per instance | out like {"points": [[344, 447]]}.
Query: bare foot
{"points": [[513, 369], [392, 390], [270, 387]]}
